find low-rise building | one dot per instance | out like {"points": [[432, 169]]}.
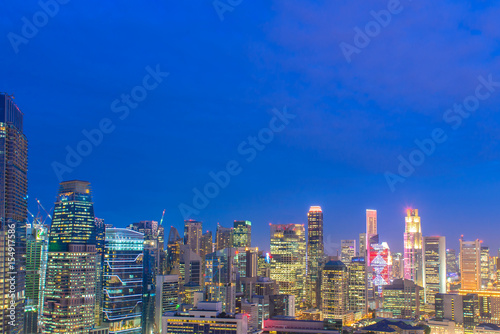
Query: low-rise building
{"points": [[286, 326], [387, 326], [206, 318], [487, 329]]}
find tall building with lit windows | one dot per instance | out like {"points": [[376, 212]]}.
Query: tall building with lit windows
{"points": [[379, 271], [434, 251], [167, 296], [69, 300], [206, 244], [371, 230], [192, 235], [36, 267], [347, 250], [315, 255], [288, 250], [413, 247], [485, 266], [220, 278], [154, 255], [100, 228], [334, 290], [357, 285], [173, 252], [13, 213], [470, 264], [452, 264], [403, 298], [122, 283], [362, 245], [242, 233], [224, 237]]}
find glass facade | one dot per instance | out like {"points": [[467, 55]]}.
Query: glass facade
{"points": [[173, 252], [434, 249], [288, 264], [36, 268], [13, 214], [122, 280], [403, 298], [224, 237], [315, 255], [334, 290], [220, 278], [413, 247], [71, 283], [242, 234], [154, 256], [357, 285]]}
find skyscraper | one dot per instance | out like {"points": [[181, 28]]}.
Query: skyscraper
{"points": [[334, 290], [206, 244], [224, 237], [379, 271], [191, 269], [315, 256], [413, 247], [434, 250], [403, 298], [173, 252], [192, 235], [485, 266], [100, 228], [122, 284], [13, 214], [362, 245], [36, 268], [220, 278], [397, 265], [357, 285], [153, 266], [371, 228], [167, 296], [69, 300], [288, 249], [451, 263], [470, 264], [347, 250], [242, 233]]}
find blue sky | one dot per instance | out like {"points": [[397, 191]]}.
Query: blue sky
{"points": [[353, 119]]}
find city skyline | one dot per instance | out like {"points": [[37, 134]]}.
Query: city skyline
{"points": [[352, 122], [243, 167]]}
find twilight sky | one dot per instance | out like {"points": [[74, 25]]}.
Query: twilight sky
{"points": [[73, 72]]}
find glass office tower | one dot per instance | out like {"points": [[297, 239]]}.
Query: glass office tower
{"points": [[122, 280], [13, 214], [70, 292], [315, 255]]}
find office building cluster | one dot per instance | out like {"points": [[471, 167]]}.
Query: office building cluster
{"points": [[81, 275]]}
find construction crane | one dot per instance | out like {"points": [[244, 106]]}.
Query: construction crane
{"points": [[40, 205], [41, 217]]}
